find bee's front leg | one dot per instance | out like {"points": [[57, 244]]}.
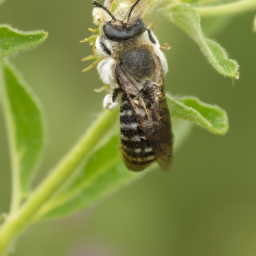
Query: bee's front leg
{"points": [[112, 100]]}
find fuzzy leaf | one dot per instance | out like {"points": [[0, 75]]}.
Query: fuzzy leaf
{"points": [[24, 124], [103, 174], [214, 26], [186, 17], [192, 109], [12, 40]]}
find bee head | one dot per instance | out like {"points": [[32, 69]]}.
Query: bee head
{"points": [[121, 30]]}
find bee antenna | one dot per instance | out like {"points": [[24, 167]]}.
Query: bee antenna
{"points": [[104, 8], [130, 12]]}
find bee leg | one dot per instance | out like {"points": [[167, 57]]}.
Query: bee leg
{"points": [[139, 101], [142, 103], [145, 108], [111, 100], [158, 85]]}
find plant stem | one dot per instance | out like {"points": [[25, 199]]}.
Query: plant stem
{"points": [[227, 9], [65, 197], [19, 220], [15, 201]]}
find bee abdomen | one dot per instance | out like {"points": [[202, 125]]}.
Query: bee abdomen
{"points": [[136, 149]]}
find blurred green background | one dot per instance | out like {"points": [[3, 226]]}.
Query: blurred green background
{"points": [[206, 203]]}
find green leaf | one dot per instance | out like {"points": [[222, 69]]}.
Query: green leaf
{"points": [[12, 40], [214, 26], [192, 109], [103, 174], [105, 171], [186, 17], [24, 125]]}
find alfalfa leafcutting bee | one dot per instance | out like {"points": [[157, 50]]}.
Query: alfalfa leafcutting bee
{"points": [[133, 67]]}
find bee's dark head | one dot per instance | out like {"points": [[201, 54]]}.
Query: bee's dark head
{"points": [[121, 30]]}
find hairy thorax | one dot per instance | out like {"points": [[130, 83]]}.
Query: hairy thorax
{"points": [[138, 62], [140, 58]]}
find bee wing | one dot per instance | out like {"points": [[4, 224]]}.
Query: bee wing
{"points": [[151, 111]]}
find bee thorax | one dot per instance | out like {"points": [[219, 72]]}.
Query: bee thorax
{"points": [[139, 62]]}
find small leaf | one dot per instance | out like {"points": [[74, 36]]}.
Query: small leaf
{"points": [[214, 26], [24, 124], [207, 116], [12, 40], [103, 174], [105, 171], [186, 17]]}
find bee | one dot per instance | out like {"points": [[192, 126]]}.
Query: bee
{"points": [[133, 66]]}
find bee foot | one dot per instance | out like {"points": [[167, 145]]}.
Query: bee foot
{"points": [[108, 102]]}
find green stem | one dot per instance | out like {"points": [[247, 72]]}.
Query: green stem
{"points": [[15, 201], [19, 220], [65, 197], [227, 9]]}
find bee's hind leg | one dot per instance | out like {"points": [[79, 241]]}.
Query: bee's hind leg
{"points": [[112, 100]]}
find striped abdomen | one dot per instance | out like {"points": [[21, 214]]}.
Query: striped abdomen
{"points": [[136, 149]]}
